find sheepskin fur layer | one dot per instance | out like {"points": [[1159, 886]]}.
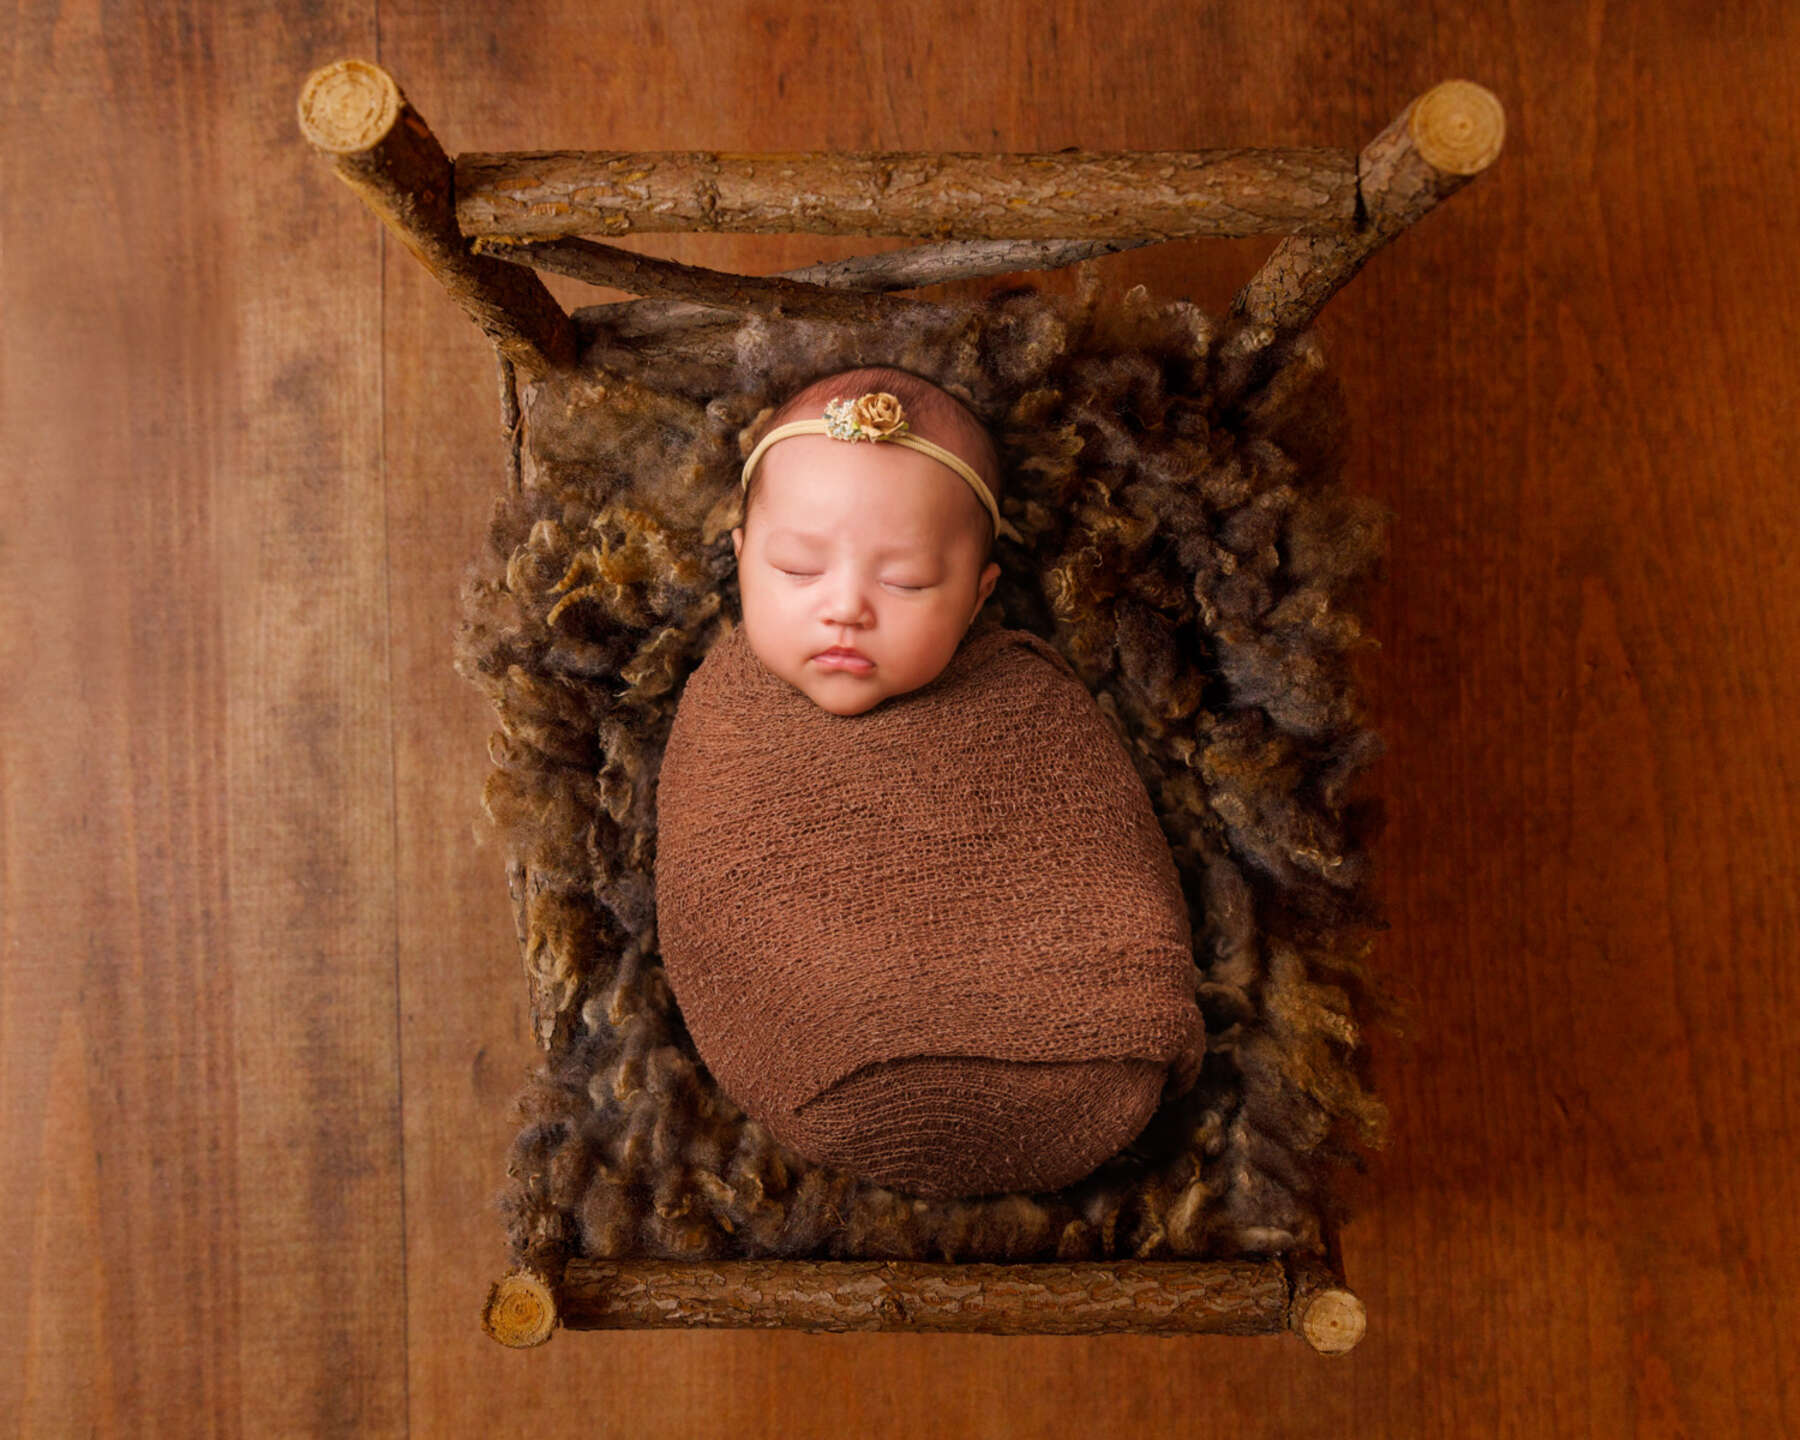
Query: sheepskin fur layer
{"points": [[1188, 545]]}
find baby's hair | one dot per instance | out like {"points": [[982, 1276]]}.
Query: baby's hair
{"points": [[931, 412]]}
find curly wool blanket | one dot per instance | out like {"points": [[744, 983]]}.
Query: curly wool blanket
{"points": [[1192, 548], [942, 943]]}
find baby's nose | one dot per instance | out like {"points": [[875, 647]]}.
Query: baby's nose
{"points": [[846, 604]]}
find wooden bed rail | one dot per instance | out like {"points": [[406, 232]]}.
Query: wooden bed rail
{"points": [[465, 220], [954, 195], [1302, 1294]]}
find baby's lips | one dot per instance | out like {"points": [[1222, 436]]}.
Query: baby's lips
{"points": [[841, 661]]}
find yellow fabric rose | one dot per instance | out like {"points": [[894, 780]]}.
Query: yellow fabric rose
{"points": [[880, 415]]}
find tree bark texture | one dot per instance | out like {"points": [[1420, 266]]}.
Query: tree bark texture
{"points": [[718, 290], [1158, 195], [1231, 1297], [1440, 142], [911, 267], [354, 114]]}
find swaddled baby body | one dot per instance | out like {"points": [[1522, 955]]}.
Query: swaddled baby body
{"points": [[918, 911]]}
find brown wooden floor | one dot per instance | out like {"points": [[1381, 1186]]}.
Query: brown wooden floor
{"points": [[261, 1015]]}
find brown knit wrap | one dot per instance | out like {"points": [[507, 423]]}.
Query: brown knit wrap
{"points": [[970, 870]]}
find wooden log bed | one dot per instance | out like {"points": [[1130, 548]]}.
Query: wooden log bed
{"points": [[484, 224]]}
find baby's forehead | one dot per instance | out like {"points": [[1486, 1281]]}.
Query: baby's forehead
{"points": [[898, 529], [803, 532]]}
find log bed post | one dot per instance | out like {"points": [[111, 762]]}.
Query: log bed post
{"points": [[1322, 1309], [1435, 146], [354, 114]]}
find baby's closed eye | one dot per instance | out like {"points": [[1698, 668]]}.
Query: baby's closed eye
{"points": [[891, 584]]}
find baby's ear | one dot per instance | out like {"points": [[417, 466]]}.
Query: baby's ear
{"points": [[989, 577], [737, 542]]}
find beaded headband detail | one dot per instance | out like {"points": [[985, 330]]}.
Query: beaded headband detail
{"points": [[879, 417]]}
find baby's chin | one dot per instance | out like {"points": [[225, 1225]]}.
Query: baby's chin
{"points": [[845, 701]]}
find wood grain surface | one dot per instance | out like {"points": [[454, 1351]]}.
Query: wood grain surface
{"points": [[261, 1015]]}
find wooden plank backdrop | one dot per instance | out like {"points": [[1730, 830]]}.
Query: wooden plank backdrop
{"points": [[261, 1016]]}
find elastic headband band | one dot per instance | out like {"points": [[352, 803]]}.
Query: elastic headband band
{"points": [[878, 416]]}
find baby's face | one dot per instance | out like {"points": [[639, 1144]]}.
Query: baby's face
{"points": [[877, 548]]}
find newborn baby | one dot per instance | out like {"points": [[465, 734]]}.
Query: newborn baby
{"points": [[912, 898]]}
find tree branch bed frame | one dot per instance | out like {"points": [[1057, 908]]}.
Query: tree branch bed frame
{"points": [[485, 224]]}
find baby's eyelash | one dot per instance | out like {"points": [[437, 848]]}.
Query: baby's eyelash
{"points": [[808, 574]]}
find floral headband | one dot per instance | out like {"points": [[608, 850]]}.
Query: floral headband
{"points": [[878, 416]]}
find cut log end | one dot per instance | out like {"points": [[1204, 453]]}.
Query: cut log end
{"points": [[1334, 1320], [1458, 127], [520, 1310], [348, 106]]}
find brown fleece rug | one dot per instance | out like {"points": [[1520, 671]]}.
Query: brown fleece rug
{"points": [[1189, 547]]}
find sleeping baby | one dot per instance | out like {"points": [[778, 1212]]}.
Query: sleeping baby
{"points": [[913, 900]]}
